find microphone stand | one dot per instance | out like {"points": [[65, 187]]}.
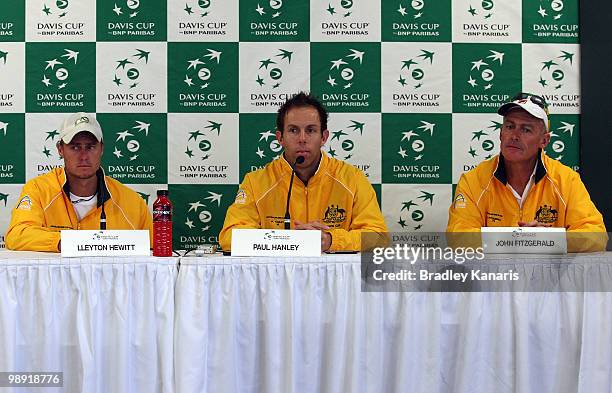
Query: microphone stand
{"points": [[102, 195], [287, 220]]}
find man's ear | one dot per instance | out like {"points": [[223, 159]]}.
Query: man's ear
{"points": [[279, 136], [60, 149], [325, 136], [545, 140]]}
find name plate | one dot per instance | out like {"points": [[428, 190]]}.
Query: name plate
{"points": [[96, 243], [524, 240], [276, 242]]}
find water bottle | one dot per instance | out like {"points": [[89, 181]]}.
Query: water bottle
{"points": [[162, 225]]}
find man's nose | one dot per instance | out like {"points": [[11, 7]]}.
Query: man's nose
{"points": [[302, 136]]}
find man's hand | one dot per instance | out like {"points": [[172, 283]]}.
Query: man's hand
{"points": [[326, 237], [533, 223]]}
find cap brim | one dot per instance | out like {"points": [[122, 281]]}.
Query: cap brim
{"points": [[529, 107], [68, 137]]}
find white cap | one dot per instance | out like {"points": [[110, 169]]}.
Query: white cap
{"points": [[531, 107], [79, 122]]}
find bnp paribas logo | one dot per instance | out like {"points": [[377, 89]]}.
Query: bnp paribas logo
{"points": [[127, 73], [482, 143], [550, 21], [412, 144], [551, 10], [200, 8], [563, 144], [343, 72], [271, 69], [483, 9], [342, 144], [271, 9], [4, 199], [200, 212], [51, 139], [126, 9], [3, 127], [200, 142], [128, 142], [200, 71], [552, 74], [268, 147], [56, 71], [412, 70], [56, 9], [416, 148], [483, 71], [412, 211], [340, 9], [413, 9]]}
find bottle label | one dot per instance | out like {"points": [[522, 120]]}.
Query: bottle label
{"points": [[162, 213]]}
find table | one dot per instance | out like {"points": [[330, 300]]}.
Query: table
{"points": [[279, 325], [222, 324], [107, 323]]}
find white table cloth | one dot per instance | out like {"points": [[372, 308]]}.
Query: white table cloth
{"points": [[277, 325], [107, 323], [304, 325]]}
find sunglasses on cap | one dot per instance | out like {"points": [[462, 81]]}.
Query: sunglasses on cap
{"points": [[539, 101]]}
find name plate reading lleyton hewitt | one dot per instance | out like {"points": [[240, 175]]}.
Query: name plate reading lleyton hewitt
{"points": [[276, 242], [524, 240], [96, 243]]}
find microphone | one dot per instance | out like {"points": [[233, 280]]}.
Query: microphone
{"points": [[102, 195], [298, 160]]}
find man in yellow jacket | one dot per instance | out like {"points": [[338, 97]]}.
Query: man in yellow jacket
{"points": [[522, 186], [72, 197], [328, 194]]}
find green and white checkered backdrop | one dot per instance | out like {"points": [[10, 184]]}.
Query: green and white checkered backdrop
{"points": [[186, 91]]}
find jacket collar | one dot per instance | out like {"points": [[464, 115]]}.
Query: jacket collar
{"points": [[501, 175], [322, 163], [102, 188]]}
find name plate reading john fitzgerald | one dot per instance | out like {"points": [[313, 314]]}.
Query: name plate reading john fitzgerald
{"points": [[276, 242], [105, 243], [524, 240]]}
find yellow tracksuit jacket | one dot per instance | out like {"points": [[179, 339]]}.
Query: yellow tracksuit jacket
{"points": [[338, 195], [558, 197], [44, 209]]}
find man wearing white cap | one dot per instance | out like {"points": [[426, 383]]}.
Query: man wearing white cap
{"points": [[522, 186], [74, 197]]}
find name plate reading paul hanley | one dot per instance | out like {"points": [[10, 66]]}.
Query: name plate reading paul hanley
{"points": [[276, 242]]}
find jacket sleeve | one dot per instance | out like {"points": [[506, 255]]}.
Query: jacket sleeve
{"points": [[146, 220], [242, 213], [463, 213], [27, 231], [464, 217], [584, 223], [366, 218]]}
